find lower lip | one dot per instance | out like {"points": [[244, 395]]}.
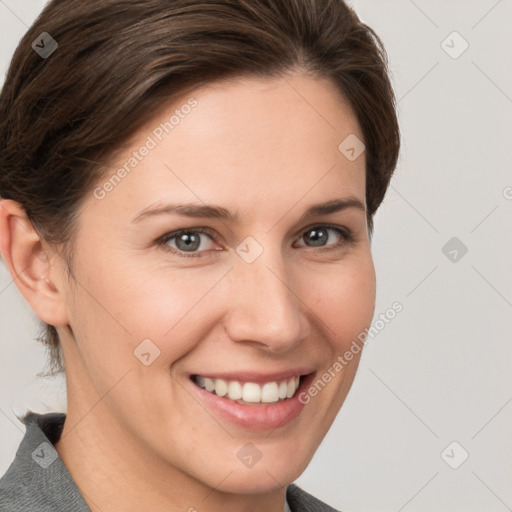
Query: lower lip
{"points": [[260, 417]]}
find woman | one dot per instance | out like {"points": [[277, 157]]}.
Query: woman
{"points": [[188, 194]]}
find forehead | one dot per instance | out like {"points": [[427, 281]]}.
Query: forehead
{"points": [[246, 143]]}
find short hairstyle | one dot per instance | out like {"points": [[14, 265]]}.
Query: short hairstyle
{"points": [[118, 61]]}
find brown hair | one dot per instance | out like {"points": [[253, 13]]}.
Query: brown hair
{"points": [[118, 61]]}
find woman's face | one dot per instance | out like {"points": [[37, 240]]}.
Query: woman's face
{"points": [[264, 293]]}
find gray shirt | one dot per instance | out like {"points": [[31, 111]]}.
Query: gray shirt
{"points": [[38, 480]]}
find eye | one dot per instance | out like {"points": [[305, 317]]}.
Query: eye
{"points": [[317, 236], [187, 241]]}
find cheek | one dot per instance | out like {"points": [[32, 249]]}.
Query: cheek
{"points": [[128, 303], [345, 300]]}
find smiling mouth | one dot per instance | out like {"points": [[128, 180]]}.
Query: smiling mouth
{"points": [[250, 393]]}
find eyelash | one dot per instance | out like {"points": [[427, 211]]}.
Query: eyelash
{"points": [[346, 238]]}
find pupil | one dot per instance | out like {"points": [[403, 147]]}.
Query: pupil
{"points": [[191, 241], [318, 235]]}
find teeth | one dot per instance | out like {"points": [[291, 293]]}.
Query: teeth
{"points": [[209, 384], [291, 388], [270, 392], [251, 392], [235, 390], [283, 389], [221, 387]]}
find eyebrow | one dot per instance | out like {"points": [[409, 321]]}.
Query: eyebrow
{"points": [[206, 211]]}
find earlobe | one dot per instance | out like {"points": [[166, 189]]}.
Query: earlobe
{"points": [[29, 264]]}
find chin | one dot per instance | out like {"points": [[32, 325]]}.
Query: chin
{"points": [[255, 483], [263, 477]]}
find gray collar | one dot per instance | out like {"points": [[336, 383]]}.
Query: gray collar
{"points": [[37, 479]]}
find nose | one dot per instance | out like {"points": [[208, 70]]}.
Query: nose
{"points": [[264, 307]]}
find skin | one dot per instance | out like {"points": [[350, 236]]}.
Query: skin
{"points": [[134, 439]]}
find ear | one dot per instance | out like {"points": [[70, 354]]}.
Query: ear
{"points": [[29, 264]]}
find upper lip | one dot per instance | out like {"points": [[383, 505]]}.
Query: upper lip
{"points": [[255, 376]]}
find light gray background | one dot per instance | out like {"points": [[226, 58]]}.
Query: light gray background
{"points": [[440, 371]]}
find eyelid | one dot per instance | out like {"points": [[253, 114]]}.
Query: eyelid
{"points": [[346, 234], [162, 241]]}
